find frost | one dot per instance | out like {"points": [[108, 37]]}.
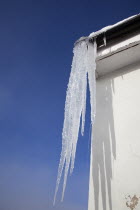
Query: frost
{"points": [[83, 69]]}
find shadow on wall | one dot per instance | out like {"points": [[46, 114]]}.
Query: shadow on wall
{"points": [[103, 138], [103, 144]]}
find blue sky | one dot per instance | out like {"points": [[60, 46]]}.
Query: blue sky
{"points": [[36, 42]]}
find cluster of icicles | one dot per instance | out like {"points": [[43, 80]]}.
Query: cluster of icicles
{"points": [[82, 70]]}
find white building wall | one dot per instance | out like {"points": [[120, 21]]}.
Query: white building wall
{"points": [[115, 151]]}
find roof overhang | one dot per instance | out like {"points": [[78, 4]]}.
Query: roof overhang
{"points": [[118, 59], [122, 45]]}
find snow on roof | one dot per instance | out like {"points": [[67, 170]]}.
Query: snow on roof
{"points": [[103, 30], [111, 26]]}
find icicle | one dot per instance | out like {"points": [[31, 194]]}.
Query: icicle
{"points": [[104, 40], [75, 106], [91, 67]]}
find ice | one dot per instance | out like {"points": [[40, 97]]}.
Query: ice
{"points": [[83, 66], [91, 67]]}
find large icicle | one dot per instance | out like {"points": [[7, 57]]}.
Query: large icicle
{"points": [[75, 106], [91, 67]]}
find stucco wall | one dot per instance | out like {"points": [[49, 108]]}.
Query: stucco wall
{"points": [[115, 152]]}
